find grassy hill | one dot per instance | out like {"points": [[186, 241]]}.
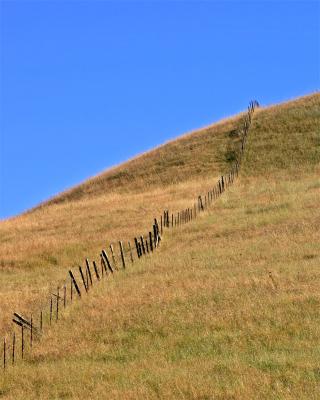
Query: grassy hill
{"points": [[38, 247], [229, 306]]}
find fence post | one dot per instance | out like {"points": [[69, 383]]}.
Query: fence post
{"points": [[96, 270], [131, 256], [113, 257], [83, 280], [155, 236], [142, 245], [137, 247], [22, 341], [57, 305], [74, 282], [87, 278], [150, 241], [89, 272], [122, 255], [13, 346], [31, 331], [103, 265], [201, 208], [140, 249], [106, 258], [40, 321], [157, 232]]}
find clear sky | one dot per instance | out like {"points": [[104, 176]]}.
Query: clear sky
{"points": [[88, 84]]}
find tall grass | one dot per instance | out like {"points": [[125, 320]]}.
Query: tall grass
{"points": [[229, 306]]}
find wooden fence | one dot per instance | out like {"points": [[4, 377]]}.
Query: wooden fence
{"points": [[28, 329]]}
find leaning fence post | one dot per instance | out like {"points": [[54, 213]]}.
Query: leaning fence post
{"points": [[150, 241], [122, 255], [106, 258], [88, 269], [137, 247], [96, 270], [142, 244], [103, 266], [140, 249], [87, 278], [74, 282]]}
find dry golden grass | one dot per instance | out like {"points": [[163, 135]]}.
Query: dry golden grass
{"points": [[227, 309], [37, 248]]}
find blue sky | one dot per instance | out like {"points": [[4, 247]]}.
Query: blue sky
{"points": [[88, 84]]}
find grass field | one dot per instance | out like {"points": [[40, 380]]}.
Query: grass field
{"points": [[228, 308], [37, 248]]}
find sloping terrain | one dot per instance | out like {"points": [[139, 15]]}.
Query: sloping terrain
{"points": [[38, 247], [229, 306]]}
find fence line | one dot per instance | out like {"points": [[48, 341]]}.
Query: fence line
{"points": [[143, 244]]}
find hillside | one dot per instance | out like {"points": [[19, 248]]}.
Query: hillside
{"points": [[229, 306], [38, 247]]}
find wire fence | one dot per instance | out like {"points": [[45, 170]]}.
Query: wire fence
{"points": [[29, 329]]}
